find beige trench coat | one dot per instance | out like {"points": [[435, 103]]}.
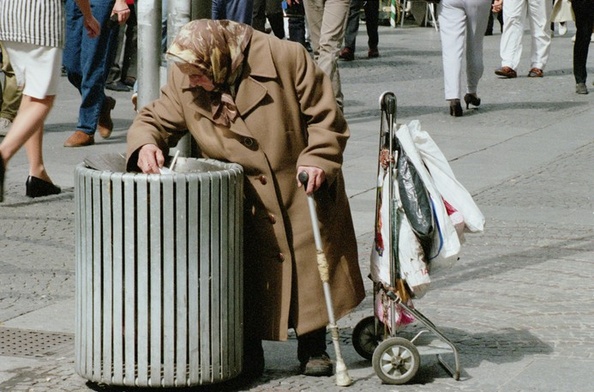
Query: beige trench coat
{"points": [[288, 118]]}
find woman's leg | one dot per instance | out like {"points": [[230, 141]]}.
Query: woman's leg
{"points": [[452, 22], [477, 17], [29, 120]]}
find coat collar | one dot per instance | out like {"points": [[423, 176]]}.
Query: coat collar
{"points": [[259, 64]]}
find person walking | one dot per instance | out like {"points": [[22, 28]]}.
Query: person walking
{"points": [[584, 23], [326, 21], [462, 26], [250, 98], [10, 98], [123, 55], [36, 60], [371, 9], [87, 67], [514, 14]]}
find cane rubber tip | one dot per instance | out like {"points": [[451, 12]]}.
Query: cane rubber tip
{"points": [[343, 380]]}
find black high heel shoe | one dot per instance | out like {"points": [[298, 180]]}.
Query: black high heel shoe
{"points": [[472, 99], [36, 187], [455, 108]]}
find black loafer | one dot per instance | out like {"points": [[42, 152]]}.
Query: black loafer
{"points": [[36, 187]]}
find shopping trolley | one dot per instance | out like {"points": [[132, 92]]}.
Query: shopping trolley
{"points": [[395, 352]]}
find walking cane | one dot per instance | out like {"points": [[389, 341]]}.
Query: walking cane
{"points": [[342, 376]]}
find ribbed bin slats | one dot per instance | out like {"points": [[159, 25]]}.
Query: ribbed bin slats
{"points": [[159, 275]]}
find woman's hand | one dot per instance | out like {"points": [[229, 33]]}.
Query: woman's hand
{"points": [[120, 8], [497, 5], [150, 159], [316, 178]]}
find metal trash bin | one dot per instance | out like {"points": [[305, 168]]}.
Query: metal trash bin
{"points": [[159, 275]]}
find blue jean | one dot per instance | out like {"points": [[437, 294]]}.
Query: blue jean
{"points": [[85, 60]]}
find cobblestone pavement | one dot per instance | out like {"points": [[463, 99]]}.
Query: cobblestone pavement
{"points": [[518, 305]]}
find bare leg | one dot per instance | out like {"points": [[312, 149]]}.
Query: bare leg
{"points": [[27, 129]]}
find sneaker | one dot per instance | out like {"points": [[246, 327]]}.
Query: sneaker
{"points": [[4, 126], [118, 86], [318, 366], [581, 88], [562, 28]]}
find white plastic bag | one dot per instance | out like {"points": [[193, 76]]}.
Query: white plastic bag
{"points": [[441, 184], [444, 179], [446, 241]]}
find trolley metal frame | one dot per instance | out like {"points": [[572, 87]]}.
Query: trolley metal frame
{"points": [[396, 359]]}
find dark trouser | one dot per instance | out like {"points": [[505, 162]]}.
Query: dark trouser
{"points": [[235, 10], [271, 10], [296, 15], [584, 21], [311, 344], [491, 20], [371, 9]]}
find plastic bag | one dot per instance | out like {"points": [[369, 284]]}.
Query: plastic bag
{"points": [[414, 199], [405, 245], [444, 179], [446, 243]]}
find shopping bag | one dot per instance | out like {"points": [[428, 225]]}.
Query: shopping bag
{"points": [[562, 11], [444, 179], [414, 199], [411, 256], [446, 243], [405, 245]]}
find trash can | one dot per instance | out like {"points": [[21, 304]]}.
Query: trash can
{"points": [[159, 269]]}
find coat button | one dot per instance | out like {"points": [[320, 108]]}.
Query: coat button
{"points": [[263, 179], [248, 141], [281, 257], [272, 218]]}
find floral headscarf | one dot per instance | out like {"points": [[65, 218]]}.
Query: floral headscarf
{"points": [[216, 48]]}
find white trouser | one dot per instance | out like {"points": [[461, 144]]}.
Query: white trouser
{"points": [[462, 23], [538, 13]]}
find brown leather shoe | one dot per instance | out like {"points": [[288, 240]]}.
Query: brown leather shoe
{"points": [[506, 72], [372, 53], [347, 54], [535, 73], [105, 124], [79, 139]]}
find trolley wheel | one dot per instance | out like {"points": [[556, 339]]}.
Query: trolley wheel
{"points": [[365, 340], [396, 360]]}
